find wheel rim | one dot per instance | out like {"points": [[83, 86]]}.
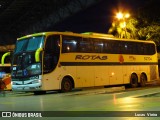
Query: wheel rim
{"points": [[134, 81], [67, 86], [143, 80]]}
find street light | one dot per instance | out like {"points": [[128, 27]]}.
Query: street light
{"points": [[122, 17], [119, 15], [127, 15]]}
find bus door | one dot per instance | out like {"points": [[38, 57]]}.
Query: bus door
{"points": [[50, 61]]}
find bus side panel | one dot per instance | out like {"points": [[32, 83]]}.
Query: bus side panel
{"points": [[128, 70], [115, 75], [101, 75], [126, 74], [138, 70], [52, 81], [144, 69], [153, 72], [85, 74]]}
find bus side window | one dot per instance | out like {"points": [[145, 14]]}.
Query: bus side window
{"points": [[70, 44], [129, 48], [134, 48], [98, 46], [86, 45], [106, 47], [109, 47], [151, 49], [126, 47]]}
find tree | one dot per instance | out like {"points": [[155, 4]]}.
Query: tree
{"points": [[149, 13], [149, 21], [151, 32], [145, 25], [129, 31]]}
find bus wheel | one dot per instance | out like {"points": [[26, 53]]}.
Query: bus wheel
{"points": [[134, 81], [66, 85], [143, 80]]}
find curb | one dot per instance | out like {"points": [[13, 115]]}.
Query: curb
{"points": [[97, 91]]}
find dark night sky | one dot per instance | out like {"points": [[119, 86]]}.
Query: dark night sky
{"points": [[97, 18]]}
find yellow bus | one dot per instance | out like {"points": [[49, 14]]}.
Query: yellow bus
{"points": [[5, 69], [65, 60]]}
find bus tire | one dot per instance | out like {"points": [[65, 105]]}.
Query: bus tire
{"points": [[66, 85], [134, 81], [143, 80]]}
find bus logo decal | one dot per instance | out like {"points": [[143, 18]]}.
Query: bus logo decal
{"points": [[147, 58], [132, 58], [121, 59], [90, 57]]}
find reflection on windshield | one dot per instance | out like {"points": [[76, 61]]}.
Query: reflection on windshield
{"points": [[29, 44], [24, 65]]}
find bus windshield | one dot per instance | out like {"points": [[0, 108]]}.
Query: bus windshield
{"points": [[23, 62], [29, 44]]}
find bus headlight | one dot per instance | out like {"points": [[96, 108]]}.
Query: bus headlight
{"points": [[13, 83], [36, 81]]}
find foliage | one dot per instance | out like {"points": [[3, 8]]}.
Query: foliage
{"points": [[129, 31], [151, 32], [145, 26]]}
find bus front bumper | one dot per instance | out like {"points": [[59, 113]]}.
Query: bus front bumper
{"points": [[31, 87]]}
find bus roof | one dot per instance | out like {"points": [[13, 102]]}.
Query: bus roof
{"points": [[86, 34]]}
